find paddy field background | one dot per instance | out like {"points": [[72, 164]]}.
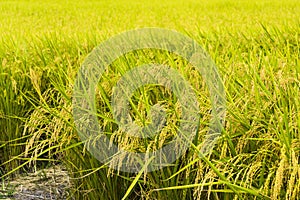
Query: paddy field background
{"points": [[255, 45]]}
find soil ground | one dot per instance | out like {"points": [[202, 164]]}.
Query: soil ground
{"points": [[50, 183]]}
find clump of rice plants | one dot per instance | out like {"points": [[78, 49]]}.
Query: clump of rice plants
{"points": [[255, 46]]}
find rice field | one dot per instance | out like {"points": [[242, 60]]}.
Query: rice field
{"points": [[255, 47]]}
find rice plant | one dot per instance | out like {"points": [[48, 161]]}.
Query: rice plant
{"points": [[255, 47]]}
